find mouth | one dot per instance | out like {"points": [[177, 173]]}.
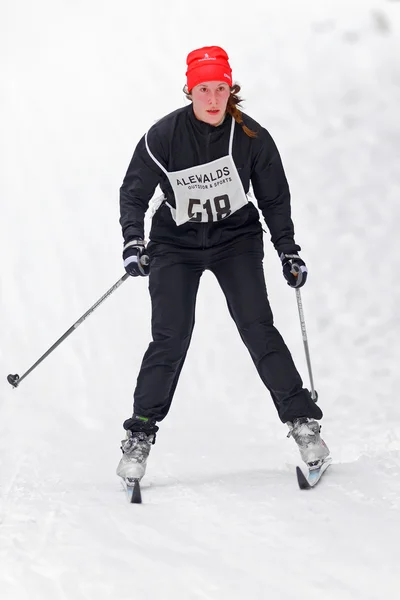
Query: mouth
{"points": [[213, 111]]}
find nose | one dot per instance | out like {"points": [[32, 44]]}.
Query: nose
{"points": [[212, 99]]}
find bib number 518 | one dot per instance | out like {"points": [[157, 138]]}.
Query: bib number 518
{"points": [[217, 209]]}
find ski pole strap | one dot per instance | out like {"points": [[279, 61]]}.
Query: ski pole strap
{"points": [[137, 243]]}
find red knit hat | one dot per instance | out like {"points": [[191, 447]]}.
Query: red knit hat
{"points": [[208, 64]]}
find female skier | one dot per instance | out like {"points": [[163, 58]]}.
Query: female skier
{"points": [[204, 157]]}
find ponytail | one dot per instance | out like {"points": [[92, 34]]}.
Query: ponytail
{"points": [[232, 108]]}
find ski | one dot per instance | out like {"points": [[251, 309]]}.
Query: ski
{"points": [[132, 489], [306, 482]]}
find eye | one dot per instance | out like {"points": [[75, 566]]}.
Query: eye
{"points": [[221, 88], [203, 89]]}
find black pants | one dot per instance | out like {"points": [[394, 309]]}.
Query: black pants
{"points": [[173, 283]]}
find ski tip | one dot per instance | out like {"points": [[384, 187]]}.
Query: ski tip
{"points": [[302, 480], [136, 497]]}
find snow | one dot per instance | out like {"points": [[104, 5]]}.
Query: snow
{"points": [[222, 517]]}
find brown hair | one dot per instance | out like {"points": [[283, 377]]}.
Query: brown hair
{"points": [[232, 108]]}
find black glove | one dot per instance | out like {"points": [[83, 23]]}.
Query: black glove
{"points": [[136, 261], [294, 270]]}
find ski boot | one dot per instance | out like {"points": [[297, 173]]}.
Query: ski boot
{"points": [[135, 452], [306, 434]]}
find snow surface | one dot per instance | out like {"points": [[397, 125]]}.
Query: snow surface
{"points": [[222, 517]]}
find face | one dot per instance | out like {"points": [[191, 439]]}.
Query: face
{"points": [[209, 101]]}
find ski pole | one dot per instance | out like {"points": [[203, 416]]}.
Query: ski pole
{"points": [[314, 394], [15, 380]]}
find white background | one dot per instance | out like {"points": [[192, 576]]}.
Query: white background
{"points": [[222, 517]]}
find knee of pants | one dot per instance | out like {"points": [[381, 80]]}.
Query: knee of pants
{"points": [[249, 317], [171, 344], [176, 332], [262, 339], [260, 327]]}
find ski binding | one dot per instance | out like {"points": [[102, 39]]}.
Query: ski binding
{"points": [[315, 472], [132, 488]]}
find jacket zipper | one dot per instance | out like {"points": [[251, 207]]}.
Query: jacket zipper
{"points": [[205, 228]]}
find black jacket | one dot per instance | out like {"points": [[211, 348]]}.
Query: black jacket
{"points": [[179, 141]]}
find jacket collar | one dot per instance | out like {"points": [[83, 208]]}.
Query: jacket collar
{"points": [[206, 128]]}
